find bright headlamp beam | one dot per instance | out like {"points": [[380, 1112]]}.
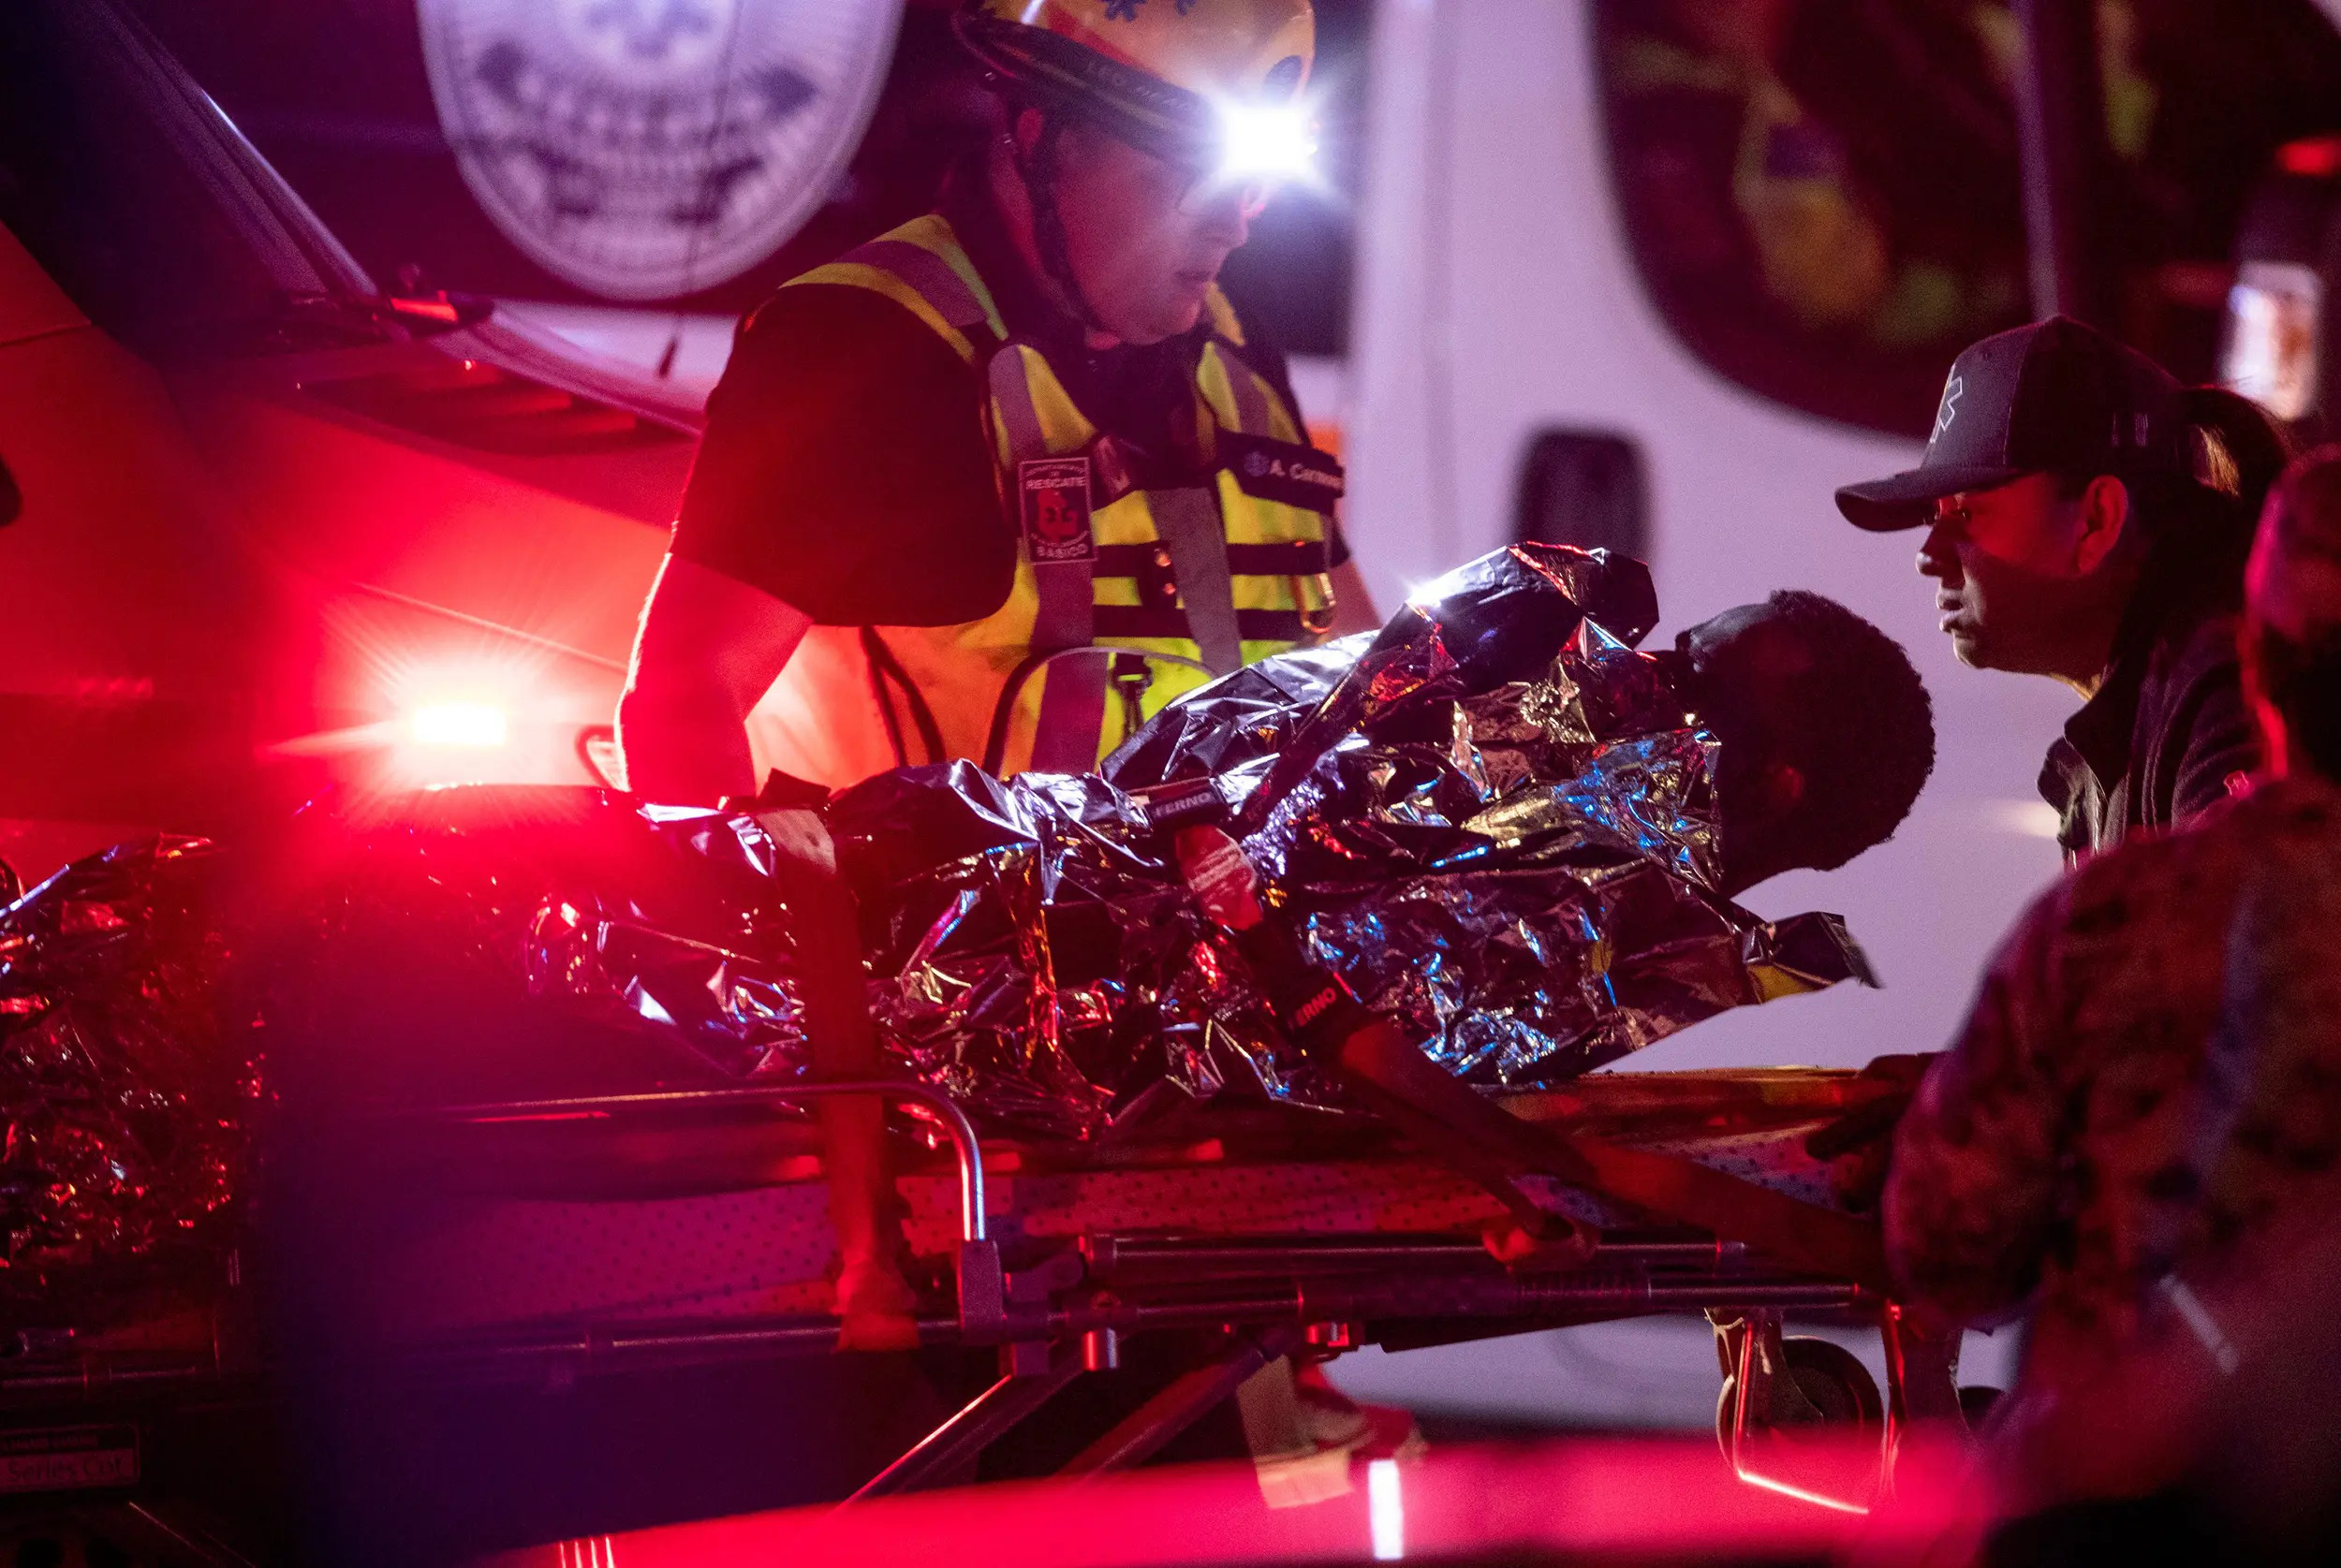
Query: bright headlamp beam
{"points": [[1271, 143]]}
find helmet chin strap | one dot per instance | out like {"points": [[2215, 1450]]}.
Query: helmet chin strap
{"points": [[1037, 169]]}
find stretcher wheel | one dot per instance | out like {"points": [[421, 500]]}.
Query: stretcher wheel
{"points": [[1838, 1395], [1976, 1403]]}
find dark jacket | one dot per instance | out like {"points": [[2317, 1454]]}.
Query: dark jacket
{"points": [[2062, 1142], [2167, 737]]}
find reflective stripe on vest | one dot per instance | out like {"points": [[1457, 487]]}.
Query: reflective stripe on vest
{"points": [[1073, 694], [1196, 580]]}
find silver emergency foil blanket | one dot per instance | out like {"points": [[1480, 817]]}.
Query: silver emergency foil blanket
{"points": [[1493, 818], [127, 1086], [456, 947], [521, 941]]}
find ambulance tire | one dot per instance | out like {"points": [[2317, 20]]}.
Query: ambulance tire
{"points": [[1976, 1403]]}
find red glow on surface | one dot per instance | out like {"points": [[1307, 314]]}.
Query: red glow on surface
{"points": [[1641, 1498], [2316, 157], [436, 310], [1786, 1489]]}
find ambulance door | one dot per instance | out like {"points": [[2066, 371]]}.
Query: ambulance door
{"points": [[122, 704]]}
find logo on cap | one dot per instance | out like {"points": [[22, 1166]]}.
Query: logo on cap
{"points": [[1955, 390]]}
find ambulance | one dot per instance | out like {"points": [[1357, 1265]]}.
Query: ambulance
{"points": [[1656, 276]]}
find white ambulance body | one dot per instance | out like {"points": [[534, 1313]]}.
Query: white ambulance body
{"points": [[1499, 296]]}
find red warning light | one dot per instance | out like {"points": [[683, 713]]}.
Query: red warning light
{"points": [[2313, 158]]}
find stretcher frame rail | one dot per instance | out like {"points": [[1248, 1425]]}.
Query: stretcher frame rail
{"points": [[1253, 1297]]}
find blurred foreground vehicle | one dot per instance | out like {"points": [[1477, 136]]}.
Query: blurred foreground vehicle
{"points": [[269, 527], [1604, 1500]]}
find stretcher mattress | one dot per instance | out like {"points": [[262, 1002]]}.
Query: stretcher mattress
{"points": [[536, 1222]]}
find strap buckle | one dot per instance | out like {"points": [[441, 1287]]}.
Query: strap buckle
{"points": [[1316, 623], [1132, 676]]}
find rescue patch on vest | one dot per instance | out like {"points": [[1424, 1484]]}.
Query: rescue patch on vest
{"points": [[1054, 494], [1279, 470]]}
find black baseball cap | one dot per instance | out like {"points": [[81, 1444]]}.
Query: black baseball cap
{"points": [[2055, 396]]}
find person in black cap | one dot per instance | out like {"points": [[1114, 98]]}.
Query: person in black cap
{"points": [[2087, 519], [2138, 1132]]}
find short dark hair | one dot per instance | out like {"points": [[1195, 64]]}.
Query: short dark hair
{"points": [[2202, 524], [2301, 680], [1861, 729]]}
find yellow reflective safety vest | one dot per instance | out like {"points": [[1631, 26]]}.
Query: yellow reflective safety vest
{"points": [[1124, 596]]}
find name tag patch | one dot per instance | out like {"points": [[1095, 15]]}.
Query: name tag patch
{"points": [[1054, 496], [1282, 472], [69, 1458]]}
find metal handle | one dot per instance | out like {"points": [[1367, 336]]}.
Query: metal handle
{"points": [[963, 1132]]}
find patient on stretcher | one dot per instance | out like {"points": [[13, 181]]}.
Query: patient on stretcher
{"points": [[1820, 732], [1500, 825]]}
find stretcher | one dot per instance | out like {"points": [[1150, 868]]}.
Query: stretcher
{"points": [[566, 1240], [544, 1241], [637, 1232]]}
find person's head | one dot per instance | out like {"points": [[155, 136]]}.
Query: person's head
{"points": [[2062, 468], [1141, 142], [1825, 731], [2292, 637]]}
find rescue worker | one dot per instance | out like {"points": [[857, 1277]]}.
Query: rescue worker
{"points": [[1002, 482], [2087, 520]]}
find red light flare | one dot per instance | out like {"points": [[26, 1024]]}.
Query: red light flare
{"points": [[2316, 157], [1640, 1498]]}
